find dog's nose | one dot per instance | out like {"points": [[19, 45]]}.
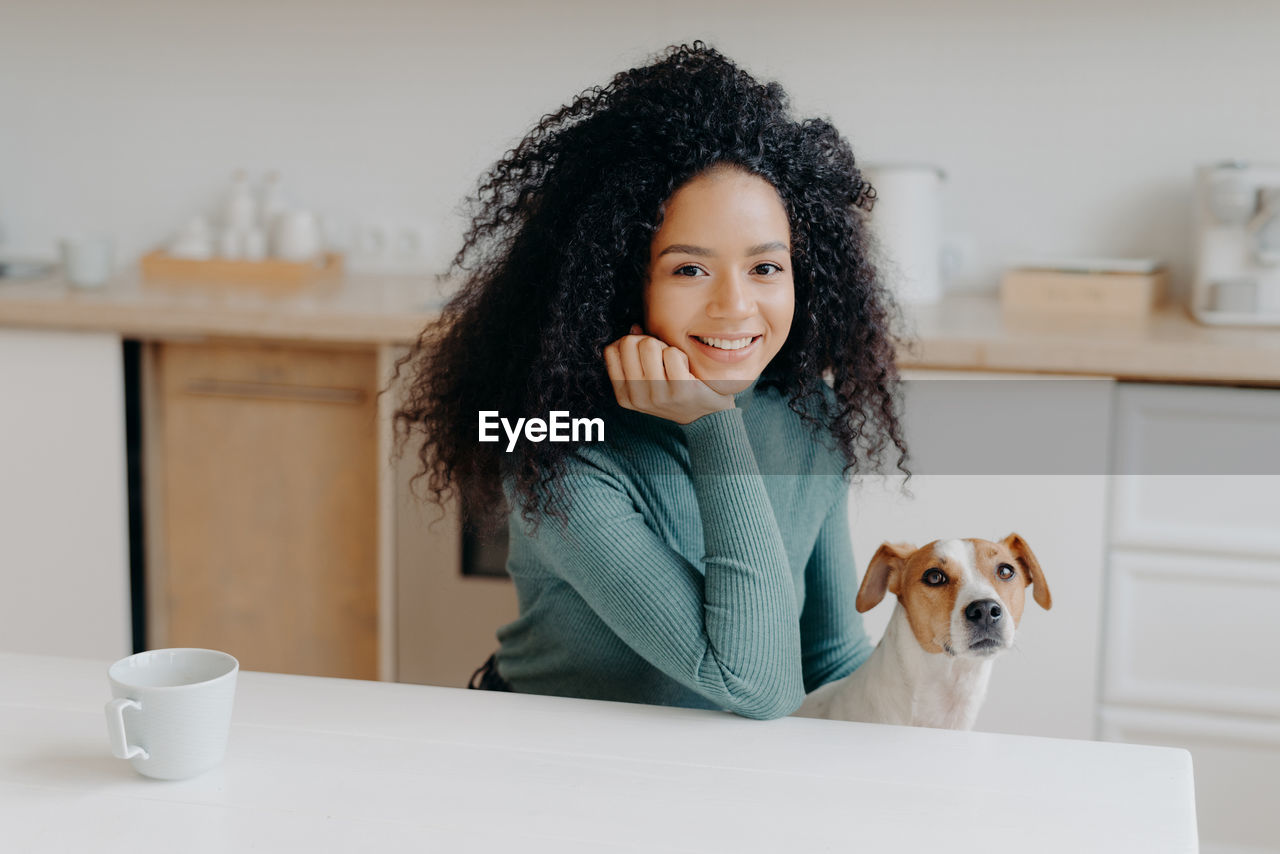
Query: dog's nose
{"points": [[983, 612]]}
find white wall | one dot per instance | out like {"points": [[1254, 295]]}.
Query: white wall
{"points": [[1068, 126]]}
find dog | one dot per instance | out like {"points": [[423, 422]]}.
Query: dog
{"points": [[959, 603]]}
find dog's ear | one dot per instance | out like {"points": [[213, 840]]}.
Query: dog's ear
{"points": [[882, 574], [1022, 553]]}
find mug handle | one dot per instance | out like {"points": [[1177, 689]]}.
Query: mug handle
{"points": [[120, 746]]}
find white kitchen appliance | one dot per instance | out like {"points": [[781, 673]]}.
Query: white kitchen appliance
{"points": [[1237, 221]]}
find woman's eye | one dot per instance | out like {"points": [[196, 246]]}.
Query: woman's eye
{"points": [[767, 269], [1004, 571], [688, 270], [935, 577]]}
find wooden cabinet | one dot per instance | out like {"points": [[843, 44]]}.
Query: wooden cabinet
{"points": [[446, 622], [263, 481]]}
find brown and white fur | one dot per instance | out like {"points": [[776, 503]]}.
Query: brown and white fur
{"points": [[959, 603]]}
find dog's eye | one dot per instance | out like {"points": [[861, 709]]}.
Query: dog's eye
{"points": [[1005, 571], [934, 577]]}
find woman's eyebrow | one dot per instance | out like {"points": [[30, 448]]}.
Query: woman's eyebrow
{"points": [[768, 247], [686, 249]]}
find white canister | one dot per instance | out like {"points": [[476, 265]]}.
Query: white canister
{"points": [[907, 225]]}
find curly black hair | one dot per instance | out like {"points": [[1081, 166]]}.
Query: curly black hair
{"points": [[556, 256]]}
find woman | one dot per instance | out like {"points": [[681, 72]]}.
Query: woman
{"points": [[675, 255]]}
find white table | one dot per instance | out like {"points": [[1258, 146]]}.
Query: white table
{"points": [[339, 765]]}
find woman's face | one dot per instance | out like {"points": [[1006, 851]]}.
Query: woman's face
{"points": [[720, 286]]}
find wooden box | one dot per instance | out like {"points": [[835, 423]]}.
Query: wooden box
{"points": [[1118, 294], [271, 274]]}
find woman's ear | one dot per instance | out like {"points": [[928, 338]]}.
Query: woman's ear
{"points": [[883, 575]]}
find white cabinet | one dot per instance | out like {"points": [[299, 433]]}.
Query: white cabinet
{"points": [[1193, 631], [1193, 596], [1197, 469], [1236, 762], [64, 562]]}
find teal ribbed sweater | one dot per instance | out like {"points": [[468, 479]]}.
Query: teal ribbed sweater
{"points": [[686, 577]]}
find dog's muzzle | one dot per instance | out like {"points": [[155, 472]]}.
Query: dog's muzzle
{"points": [[986, 621]]}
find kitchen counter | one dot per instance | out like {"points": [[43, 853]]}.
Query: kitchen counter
{"points": [[962, 332], [338, 765], [367, 309], [973, 333]]}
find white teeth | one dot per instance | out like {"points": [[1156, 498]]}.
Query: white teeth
{"points": [[725, 343]]}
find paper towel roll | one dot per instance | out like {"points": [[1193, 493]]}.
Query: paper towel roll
{"points": [[907, 224]]}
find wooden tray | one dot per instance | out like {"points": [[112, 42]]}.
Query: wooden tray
{"points": [[271, 274]]}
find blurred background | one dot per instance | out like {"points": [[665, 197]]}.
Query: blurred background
{"points": [[204, 461], [1063, 127]]}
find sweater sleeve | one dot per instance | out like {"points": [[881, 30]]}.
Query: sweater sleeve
{"points": [[731, 635], [832, 635]]}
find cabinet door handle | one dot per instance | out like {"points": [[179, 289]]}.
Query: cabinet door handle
{"points": [[273, 391]]}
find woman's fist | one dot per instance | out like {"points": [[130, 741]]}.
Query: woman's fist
{"points": [[652, 377]]}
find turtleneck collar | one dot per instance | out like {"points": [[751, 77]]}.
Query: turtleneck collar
{"points": [[743, 399]]}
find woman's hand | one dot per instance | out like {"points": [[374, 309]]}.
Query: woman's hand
{"points": [[651, 377]]}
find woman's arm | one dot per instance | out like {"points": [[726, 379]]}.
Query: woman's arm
{"points": [[731, 635], [832, 636]]}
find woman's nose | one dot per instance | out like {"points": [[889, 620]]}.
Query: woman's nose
{"points": [[730, 298]]}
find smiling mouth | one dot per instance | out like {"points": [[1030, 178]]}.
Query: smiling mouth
{"points": [[729, 344], [727, 351]]}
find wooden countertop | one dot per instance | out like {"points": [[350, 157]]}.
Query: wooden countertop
{"points": [[962, 332], [973, 333], [353, 309]]}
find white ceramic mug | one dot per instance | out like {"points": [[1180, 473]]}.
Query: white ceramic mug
{"points": [[172, 710], [87, 261]]}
